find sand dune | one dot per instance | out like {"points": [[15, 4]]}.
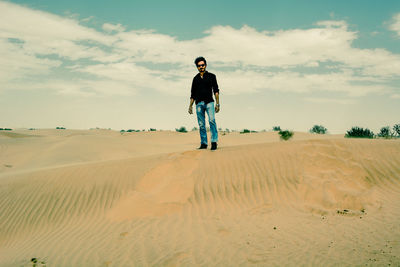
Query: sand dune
{"points": [[99, 198]]}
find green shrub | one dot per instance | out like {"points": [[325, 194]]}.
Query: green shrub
{"points": [[152, 130], [60, 128], [245, 131], [276, 128], [181, 130], [396, 129], [318, 129], [286, 134], [386, 132], [359, 132]]}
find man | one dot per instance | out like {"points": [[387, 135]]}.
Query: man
{"points": [[203, 86]]}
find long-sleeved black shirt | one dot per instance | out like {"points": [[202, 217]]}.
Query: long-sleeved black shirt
{"points": [[203, 88]]}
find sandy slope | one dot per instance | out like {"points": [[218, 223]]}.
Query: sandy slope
{"points": [[99, 198]]}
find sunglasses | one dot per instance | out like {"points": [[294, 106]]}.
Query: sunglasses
{"points": [[202, 65]]}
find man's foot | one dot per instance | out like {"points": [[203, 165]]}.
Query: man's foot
{"points": [[213, 145], [203, 146]]}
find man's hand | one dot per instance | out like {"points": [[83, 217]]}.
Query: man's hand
{"points": [[217, 108], [190, 110]]}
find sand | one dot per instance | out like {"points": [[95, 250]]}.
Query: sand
{"points": [[101, 198]]}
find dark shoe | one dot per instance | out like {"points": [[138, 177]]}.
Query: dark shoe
{"points": [[203, 146], [213, 146]]}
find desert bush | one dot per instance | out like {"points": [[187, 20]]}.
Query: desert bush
{"points": [[152, 130], [385, 132], [60, 128], [36, 262], [181, 130], [227, 130], [359, 132], [286, 134], [276, 128], [396, 129], [318, 129], [245, 131]]}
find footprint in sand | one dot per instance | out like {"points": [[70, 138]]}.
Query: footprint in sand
{"points": [[123, 234], [163, 190]]}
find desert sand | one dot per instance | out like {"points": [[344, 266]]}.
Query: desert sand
{"points": [[101, 198]]}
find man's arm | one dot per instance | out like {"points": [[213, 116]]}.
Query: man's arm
{"points": [[191, 105], [216, 93], [217, 100], [192, 97]]}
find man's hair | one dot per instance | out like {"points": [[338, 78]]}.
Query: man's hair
{"points": [[197, 60]]}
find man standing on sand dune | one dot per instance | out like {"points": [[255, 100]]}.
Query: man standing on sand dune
{"points": [[203, 86]]}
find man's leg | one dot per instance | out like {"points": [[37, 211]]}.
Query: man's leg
{"points": [[211, 120], [201, 119]]}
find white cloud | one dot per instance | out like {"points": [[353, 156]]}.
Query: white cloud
{"points": [[395, 96], [33, 43], [395, 25], [108, 27], [330, 100]]}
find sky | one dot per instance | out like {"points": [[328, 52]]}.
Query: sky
{"points": [[129, 64]]}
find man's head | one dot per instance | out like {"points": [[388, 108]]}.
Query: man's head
{"points": [[201, 64]]}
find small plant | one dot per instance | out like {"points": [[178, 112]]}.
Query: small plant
{"points": [[386, 132], [359, 132], [286, 134], [396, 129], [36, 262], [60, 128], [318, 129], [227, 130], [181, 130], [245, 131], [276, 128], [152, 130]]}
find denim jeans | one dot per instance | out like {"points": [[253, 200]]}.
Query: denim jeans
{"points": [[201, 109]]}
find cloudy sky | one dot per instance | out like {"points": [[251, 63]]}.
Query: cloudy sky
{"points": [[129, 64]]}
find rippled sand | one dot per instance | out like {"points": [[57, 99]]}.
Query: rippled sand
{"points": [[99, 198]]}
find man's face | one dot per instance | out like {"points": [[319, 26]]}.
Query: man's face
{"points": [[201, 66]]}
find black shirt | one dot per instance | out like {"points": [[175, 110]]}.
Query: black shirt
{"points": [[203, 88]]}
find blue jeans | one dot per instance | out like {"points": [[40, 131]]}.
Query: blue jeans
{"points": [[201, 109]]}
